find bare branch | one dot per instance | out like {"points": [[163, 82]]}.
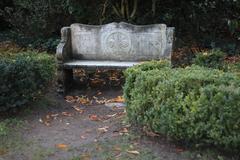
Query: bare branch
{"points": [[134, 8]]}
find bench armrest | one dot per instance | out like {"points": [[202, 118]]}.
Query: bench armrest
{"points": [[63, 52], [170, 42]]}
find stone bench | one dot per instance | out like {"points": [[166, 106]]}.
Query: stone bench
{"points": [[110, 46]]}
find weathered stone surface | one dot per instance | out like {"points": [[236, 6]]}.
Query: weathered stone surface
{"points": [[121, 42], [111, 46], [99, 64]]}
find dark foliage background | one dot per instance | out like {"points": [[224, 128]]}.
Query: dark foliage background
{"points": [[205, 23]]}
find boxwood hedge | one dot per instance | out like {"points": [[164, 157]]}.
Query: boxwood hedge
{"points": [[212, 59], [195, 104], [23, 76]]}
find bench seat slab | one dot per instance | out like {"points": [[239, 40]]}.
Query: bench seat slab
{"points": [[92, 64]]}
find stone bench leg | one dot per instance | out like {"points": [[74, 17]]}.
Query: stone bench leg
{"points": [[64, 80], [67, 79]]}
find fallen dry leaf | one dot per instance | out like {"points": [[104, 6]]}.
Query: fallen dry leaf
{"points": [[94, 117], [78, 109], [83, 137], [107, 117], [79, 72], [70, 99], [94, 97], [117, 151], [46, 122], [67, 114], [84, 100], [97, 82], [62, 146], [48, 116], [121, 131], [112, 115], [124, 130], [118, 99], [99, 93], [100, 101], [133, 152], [103, 129]]}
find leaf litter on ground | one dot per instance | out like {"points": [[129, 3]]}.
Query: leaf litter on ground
{"points": [[62, 146], [84, 100], [78, 109], [94, 117], [103, 129], [47, 119]]}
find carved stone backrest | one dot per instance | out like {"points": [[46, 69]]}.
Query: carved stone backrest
{"points": [[121, 42]]}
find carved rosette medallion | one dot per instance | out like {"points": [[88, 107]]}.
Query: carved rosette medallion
{"points": [[117, 42]]}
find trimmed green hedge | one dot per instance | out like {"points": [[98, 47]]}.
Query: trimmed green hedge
{"points": [[23, 76], [196, 104], [212, 59]]}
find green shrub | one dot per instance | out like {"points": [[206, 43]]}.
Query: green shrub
{"points": [[232, 67], [3, 129], [48, 45], [211, 59], [197, 105], [7, 125], [23, 41], [22, 77], [132, 73]]}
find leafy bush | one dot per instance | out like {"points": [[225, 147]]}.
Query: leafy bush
{"points": [[3, 129], [49, 44], [22, 77], [212, 59], [42, 44], [132, 73], [196, 104], [7, 125], [233, 67]]}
